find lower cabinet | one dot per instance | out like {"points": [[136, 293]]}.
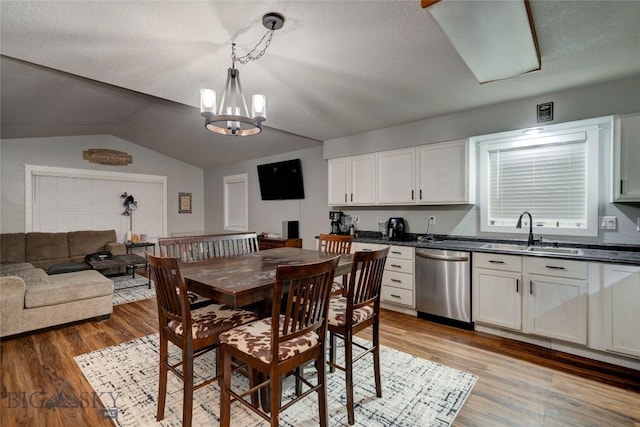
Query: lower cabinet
{"points": [[621, 284], [398, 277], [540, 296]]}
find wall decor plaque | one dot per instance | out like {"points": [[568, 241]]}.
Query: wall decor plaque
{"points": [[545, 112], [103, 156], [184, 202]]}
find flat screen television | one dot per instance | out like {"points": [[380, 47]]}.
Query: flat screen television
{"points": [[281, 180]]}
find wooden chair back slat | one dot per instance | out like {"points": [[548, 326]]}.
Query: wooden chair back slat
{"points": [[366, 277], [307, 288], [334, 244], [171, 290]]}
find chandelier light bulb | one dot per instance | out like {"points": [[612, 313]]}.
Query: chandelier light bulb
{"points": [[207, 101], [259, 107]]}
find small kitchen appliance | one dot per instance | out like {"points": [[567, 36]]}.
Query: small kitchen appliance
{"points": [[396, 227], [336, 221]]}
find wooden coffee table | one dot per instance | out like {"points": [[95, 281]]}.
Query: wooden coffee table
{"points": [[129, 262]]}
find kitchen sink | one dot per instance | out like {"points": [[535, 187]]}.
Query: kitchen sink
{"points": [[534, 249], [554, 250], [504, 247]]}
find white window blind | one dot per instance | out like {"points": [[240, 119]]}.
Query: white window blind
{"points": [[236, 210], [552, 174], [69, 200], [548, 180]]}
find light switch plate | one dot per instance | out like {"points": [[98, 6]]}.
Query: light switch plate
{"points": [[608, 222]]}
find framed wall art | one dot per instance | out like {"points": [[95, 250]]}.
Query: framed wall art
{"points": [[184, 202]]}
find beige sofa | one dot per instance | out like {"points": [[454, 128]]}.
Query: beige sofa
{"points": [[31, 299]]}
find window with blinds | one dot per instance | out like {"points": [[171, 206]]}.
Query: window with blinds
{"points": [[552, 175], [73, 199]]}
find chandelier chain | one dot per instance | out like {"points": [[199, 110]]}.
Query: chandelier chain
{"points": [[249, 56]]}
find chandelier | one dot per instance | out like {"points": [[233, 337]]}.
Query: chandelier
{"points": [[232, 117]]}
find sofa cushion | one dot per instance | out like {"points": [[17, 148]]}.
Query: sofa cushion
{"points": [[12, 248], [46, 246], [11, 269], [33, 275], [67, 287], [82, 243]]}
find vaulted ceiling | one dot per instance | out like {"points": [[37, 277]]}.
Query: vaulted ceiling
{"points": [[134, 69]]}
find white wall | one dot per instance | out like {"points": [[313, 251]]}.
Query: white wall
{"points": [[67, 152], [267, 215]]}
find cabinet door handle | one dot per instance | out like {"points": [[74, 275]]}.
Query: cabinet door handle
{"points": [[396, 252], [412, 194], [396, 281], [420, 194], [555, 267], [396, 266], [517, 286], [395, 296], [530, 287], [493, 261], [345, 197], [621, 187]]}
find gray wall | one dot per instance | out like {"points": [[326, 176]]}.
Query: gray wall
{"points": [[618, 97], [267, 215], [67, 152]]}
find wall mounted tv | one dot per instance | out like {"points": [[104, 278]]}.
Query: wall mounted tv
{"points": [[281, 180]]}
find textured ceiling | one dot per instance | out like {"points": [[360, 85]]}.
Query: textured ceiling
{"points": [[134, 69]]}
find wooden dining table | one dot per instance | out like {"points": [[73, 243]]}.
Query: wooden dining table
{"points": [[248, 279]]}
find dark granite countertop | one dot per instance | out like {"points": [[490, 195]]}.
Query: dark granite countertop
{"points": [[607, 253]]}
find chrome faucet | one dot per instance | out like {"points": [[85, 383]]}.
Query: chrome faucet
{"points": [[530, 241]]}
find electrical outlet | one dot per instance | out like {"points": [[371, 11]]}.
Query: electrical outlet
{"points": [[356, 218], [432, 220]]}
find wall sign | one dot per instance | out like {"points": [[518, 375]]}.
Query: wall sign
{"points": [[545, 112], [184, 202], [103, 156]]}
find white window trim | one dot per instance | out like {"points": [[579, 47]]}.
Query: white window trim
{"points": [[30, 171], [592, 128], [236, 179]]}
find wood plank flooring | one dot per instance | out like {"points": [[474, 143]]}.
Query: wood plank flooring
{"points": [[518, 384]]}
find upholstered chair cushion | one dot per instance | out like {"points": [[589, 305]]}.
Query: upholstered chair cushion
{"points": [[254, 339], [338, 310], [212, 319]]}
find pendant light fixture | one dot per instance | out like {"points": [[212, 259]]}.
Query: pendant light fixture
{"points": [[232, 116]]}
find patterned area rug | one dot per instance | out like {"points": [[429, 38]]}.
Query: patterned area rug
{"points": [[416, 392], [126, 289]]}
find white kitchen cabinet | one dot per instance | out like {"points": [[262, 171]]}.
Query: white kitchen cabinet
{"points": [[396, 176], [497, 290], [535, 295], [446, 173], [626, 158], [398, 277], [622, 317], [351, 180]]}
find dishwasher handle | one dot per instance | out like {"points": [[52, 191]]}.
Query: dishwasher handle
{"points": [[441, 257]]}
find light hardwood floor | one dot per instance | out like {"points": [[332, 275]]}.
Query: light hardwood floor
{"points": [[518, 384]]}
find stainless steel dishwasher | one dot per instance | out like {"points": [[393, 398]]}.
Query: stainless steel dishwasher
{"points": [[443, 287]]}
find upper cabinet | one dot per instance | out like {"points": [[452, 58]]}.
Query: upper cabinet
{"points": [[446, 173], [434, 174], [352, 180], [396, 176], [626, 157]]}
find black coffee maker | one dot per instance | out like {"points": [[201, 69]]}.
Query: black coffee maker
{"points": [[396, 229], [336, 221]]}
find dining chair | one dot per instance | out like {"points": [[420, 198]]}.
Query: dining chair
{"points": [[195, 332], [335, 244], [276, 346], [355, 311]]}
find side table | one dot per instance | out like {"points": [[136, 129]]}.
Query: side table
{"points": [[131, 246]]}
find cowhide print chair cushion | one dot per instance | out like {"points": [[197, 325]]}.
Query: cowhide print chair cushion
{"points": [[338, 311], [212, 320], [254, 339]]}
